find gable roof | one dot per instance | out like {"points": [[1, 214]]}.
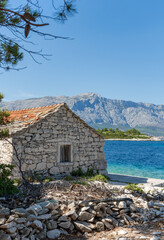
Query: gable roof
{"points": [[31, 115], [26, 117]]}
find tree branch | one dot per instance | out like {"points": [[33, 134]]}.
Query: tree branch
{"points": [[23, 18]]}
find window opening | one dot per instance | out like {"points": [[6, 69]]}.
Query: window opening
{"points": [[65, 153]]}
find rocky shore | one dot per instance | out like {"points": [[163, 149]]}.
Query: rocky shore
{"points": [[68, 210]]}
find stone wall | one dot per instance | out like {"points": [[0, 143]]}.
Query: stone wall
{"points": [[38, 145]]}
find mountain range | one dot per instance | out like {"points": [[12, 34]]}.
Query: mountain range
{"points": [[102, 112]]}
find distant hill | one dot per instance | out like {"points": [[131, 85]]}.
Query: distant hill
{"points": [[102, 112]]}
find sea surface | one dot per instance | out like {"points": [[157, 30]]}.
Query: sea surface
{"points": [[135, 158]]}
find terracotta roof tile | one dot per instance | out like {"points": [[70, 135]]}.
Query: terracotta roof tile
{"points": [[28, 116]]}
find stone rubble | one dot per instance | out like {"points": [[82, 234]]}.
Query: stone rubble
{"points": [[50, 218]]}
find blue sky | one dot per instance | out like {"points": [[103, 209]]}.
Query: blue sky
{"points": [[117, 51]]}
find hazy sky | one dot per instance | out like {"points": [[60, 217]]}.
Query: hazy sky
{"points": [[117, 51]]}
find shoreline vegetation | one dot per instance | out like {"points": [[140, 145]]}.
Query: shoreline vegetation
{"points": [[129, 135]]}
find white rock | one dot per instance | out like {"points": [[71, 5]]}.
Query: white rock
{"points": [[72, 214], [122, 204], [2, 221], [122, 232]]}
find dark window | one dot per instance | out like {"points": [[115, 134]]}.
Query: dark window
{"points": [[65, 153]]}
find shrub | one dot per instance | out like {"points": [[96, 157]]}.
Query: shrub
{"points": [[4, 133], [6, 183], [17, 181], [34, 177], [48, 179], [79, 173], [81, 183], [134, 188], [99, 177], [68, 178]]}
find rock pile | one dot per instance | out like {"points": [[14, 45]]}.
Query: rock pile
{"points": [[50, 218]]}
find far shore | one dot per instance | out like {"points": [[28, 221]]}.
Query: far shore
{"points": [[134, 139]]}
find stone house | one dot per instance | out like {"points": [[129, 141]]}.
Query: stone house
{"points": [[52, 140]]}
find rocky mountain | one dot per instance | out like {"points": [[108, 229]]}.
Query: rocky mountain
{"points": [[102, 112]]}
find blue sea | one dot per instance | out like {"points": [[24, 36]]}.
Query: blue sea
{"points": [[135, 158]]}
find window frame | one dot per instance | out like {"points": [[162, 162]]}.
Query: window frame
{"points": [[59, 146]]}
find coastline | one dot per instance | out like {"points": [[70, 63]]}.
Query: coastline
{"points": [[135, 139], [121, 179]]}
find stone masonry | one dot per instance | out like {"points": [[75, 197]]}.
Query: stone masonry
{"points": [[38, 143]]}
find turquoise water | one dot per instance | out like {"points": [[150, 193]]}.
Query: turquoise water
{"points": [[135, 158]]}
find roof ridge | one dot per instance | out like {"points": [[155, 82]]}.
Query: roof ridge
{"points": [[60, 104]]}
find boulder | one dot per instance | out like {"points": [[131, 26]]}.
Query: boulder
{"points": [[53, 234], [122, 205], [100, 226], [4, 236], [72, 214], [83, 226], [4, 212], [37, 224], [107, 224], [52, 225], [63, 218], [44, 217], [65, 225], [20, 212], [85, 216]]}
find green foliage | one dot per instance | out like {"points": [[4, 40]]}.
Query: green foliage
{"points": [[77, 173], [68, 178], [9, 52], [119, 134], [34, 177], [4, 133], [99, 177], [6, 183], [20, 19], [90, 175], [48, 179], [133, 131], [80, 173], [134, 188], [1, 96], [17, 181], [3, 3], [81, 183], [4, 114]]}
